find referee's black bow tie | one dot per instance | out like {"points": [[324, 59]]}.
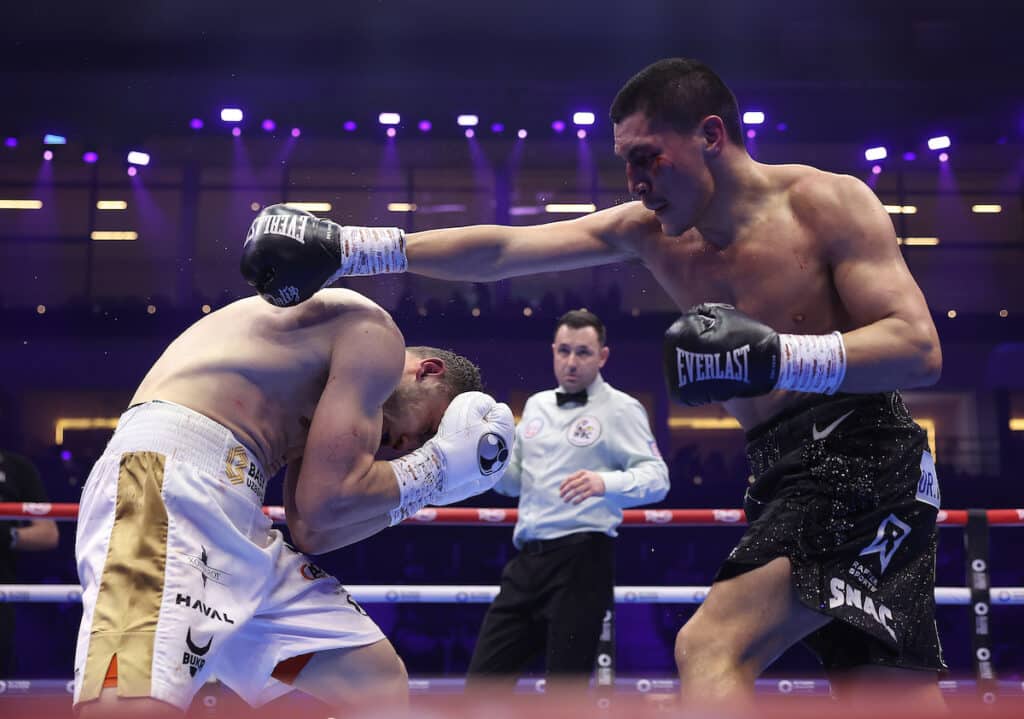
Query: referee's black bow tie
{"points": [[567, 397]]}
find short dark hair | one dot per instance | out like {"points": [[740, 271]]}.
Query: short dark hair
{"points": [[460, 374], [680, 92], [578, 319]]}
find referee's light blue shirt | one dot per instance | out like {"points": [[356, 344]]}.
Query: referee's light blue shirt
{"points": [[609, 435]]}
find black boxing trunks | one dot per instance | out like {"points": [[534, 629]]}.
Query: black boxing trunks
{"points": [[845, 487]]}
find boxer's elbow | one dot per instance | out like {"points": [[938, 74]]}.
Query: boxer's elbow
{"points": [[304, 537], [928, 359]]}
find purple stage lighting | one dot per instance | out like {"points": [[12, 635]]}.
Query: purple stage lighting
{"points": [[389, 118], [876, 170], [268, 125], [558, 126], [521, 134], [782, 127], [909, 156], [231, 114], [195, 123], [48, 155], [583, 118], [469, 132], [751, 133], [90, 158], [875, 153], [296, 132], [497, 127], [425, 125], [391, 132], [349, 126], [939, 143], [65, 455], [753, 117], [943, 157], [138, 158], [581, 133], [11, 142], [236, 131], [133, 171]]}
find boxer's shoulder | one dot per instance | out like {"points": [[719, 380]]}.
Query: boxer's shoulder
{"points": [[331, 309]]}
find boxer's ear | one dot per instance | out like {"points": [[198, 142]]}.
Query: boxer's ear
{"points": [[430, 366]]}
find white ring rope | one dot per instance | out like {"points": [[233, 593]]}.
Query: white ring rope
{"points": [[485, 593]]}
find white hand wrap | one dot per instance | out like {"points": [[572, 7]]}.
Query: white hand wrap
{"points": [[812, 363], [370, 251], [420, 476], [467, 456]]}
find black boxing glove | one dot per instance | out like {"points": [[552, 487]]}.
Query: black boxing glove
{"points": [[289, 254], [715, 353]]}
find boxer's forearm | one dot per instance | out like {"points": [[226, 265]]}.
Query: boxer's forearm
{"points": [[483, 253], [891, 354], [349, 510], [475, 254], [327, 540], [39, 536]]}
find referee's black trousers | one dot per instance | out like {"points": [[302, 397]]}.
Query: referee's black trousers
{"points": [[552, 600]]}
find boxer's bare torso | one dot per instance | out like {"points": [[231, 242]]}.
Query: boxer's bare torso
{"points": [[801, 250], [259, 370], [776, 268]]}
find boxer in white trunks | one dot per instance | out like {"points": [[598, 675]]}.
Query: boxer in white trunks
{"points": [[184, 578]]}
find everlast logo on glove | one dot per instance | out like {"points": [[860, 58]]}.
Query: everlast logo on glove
{"points": [[492, 452], [698, 367], [293, 226], [714, 353]]}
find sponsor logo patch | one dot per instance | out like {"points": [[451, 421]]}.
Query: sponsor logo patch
{"points": [[890, 535], [492, 453], [533, 428], [201, 564], [844, 594], [584, 431], [193, 655], [928, 486], [703, 367], [206, 610]]}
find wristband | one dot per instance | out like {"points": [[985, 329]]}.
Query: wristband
{"points": [[419, 475], [812, 363], [369, 251]]}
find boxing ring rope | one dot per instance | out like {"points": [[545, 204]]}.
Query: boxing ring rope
{"points": [[496, 517], [484, 594]]}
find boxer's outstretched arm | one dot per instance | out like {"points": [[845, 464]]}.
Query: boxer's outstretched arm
{"points": [[896, 345], [481, 253]]}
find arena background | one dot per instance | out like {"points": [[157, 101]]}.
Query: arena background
{"points": [[83, 316]]}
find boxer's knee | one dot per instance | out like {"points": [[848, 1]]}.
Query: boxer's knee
{"points": [[708, 653]]}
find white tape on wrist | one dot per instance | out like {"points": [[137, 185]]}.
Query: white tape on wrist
{"points": [[420, 475], [812, 363], [370, 251]]}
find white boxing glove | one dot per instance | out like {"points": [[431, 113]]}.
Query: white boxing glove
{"points": [[467, 456]]}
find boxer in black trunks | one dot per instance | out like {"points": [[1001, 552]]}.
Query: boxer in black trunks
{"points": [[820, 301]]}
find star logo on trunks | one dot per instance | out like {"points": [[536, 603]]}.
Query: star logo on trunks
{"points": [[236, 463], [890, 535], [193, 658]]}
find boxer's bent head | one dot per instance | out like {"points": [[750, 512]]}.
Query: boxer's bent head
{"points": [[432, 378], [671, 120]]}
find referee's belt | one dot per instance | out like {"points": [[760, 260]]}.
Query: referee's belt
{"points": [[539, 546]]}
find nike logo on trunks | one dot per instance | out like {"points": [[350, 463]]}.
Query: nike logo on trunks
{"points": [[829, 429]]}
